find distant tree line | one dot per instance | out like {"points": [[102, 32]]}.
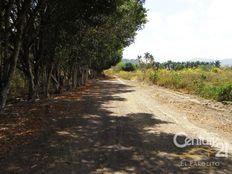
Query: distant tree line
{"points": [[171, 65], [57, 44], [148, 61]]}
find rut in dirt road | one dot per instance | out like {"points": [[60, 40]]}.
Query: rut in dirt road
{"points": [[106, 130]]}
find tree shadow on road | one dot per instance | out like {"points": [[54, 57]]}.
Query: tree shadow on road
{"points": [[85, 137]]}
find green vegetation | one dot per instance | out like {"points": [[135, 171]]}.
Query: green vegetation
{"points": [[207, 80], [125, 66], [57, 45]]}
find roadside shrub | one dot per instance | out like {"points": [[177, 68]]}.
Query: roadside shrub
{"points": [[225, 93], [215, 70], [176, 80], [208, 92], [128, 67], [197, 85], [153, 76], [119, 67], [205, 67], [202, 81], [203, 77], [126, 75]]}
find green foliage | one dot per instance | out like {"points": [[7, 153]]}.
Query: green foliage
{"points": [[56, 43], [207, 91], [213, 84], [170, 65], [146, 62], [225, 93], [127, 75], [128, 67], [119, 66], [153, 76], [219, 93]]}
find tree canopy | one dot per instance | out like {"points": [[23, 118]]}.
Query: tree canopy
{"points": [[59, 44]]}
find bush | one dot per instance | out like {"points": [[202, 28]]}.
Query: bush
{"points": [[128, 67], [215, 70], [124, 67], [126, 75], [207, 83], [225, 93], [118, 67], [208, 92], [153, 76]]}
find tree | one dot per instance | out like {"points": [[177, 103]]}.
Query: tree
{"points": [[147, 61], [15, 20], [60, 44], [128, 67], [217, 64]]}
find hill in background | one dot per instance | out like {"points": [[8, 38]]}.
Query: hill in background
{"points": [[133, 61], [224, 62]]}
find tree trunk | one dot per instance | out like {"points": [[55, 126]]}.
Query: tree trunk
{"points": [[36, 80], [32, 94], [82, 76], [48, 79], [29, 74], [86, 74], [79, 76], [10, 66], [3, 98], [8, 76], [74, 76]]}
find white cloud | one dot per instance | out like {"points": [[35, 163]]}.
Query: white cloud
{"points": [[219, 18], [202, 28]]}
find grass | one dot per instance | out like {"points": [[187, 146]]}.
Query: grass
{"points": [[214, 83]]}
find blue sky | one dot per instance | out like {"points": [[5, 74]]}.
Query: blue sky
{"points": [[185, 29]]}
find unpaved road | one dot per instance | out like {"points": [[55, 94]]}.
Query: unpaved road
{"points": [[117, 126]]}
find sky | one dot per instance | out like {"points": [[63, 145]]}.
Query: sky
{"points": [[181, 30]]}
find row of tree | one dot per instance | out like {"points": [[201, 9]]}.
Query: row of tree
{"points": [[57, 43], [170, 65], [148, 61]]}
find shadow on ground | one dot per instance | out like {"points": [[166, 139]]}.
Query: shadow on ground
{"points": [[84, 137]]}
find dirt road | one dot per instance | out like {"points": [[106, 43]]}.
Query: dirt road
{"points": [[116, 126]]}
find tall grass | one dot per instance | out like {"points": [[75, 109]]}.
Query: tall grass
{"points": [[212, 83]]}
